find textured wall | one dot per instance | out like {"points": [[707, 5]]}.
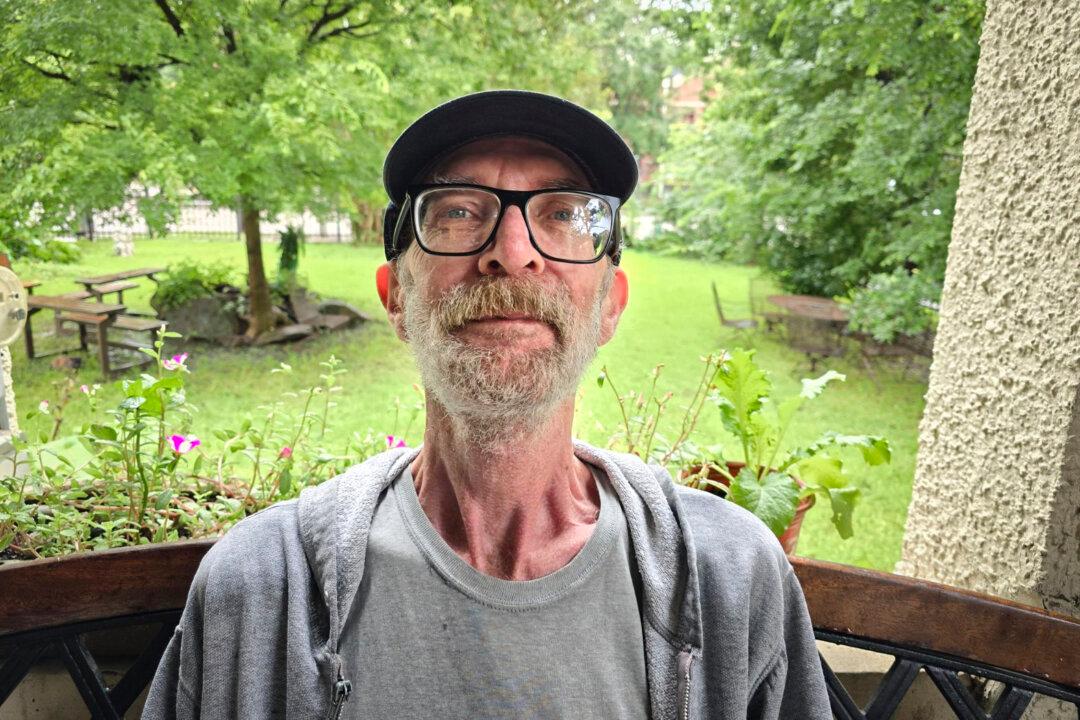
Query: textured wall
{"points": [[996, 504]]}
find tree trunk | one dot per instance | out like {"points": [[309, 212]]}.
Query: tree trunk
{"points": [[366, 223], [259, 305]]}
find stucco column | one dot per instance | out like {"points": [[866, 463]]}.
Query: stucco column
{"points": [[996, 504]]}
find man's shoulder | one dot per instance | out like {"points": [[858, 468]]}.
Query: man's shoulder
{"points": [[253, 548], [728, 538]]}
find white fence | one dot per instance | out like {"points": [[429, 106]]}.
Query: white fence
{"points": [[197, 216]]}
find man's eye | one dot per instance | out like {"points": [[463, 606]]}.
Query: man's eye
{"points": [[563, 215], [457, 213]]}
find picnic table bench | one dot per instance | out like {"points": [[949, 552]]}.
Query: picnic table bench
{"points": [[95, 318], [949, 635]]}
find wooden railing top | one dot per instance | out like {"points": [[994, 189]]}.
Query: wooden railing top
{"points": [[923, 615], [891, 609]]}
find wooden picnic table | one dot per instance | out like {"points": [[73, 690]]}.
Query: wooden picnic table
{"points": [[29, 285], [93, 280], [60, 304], [811, 306]]}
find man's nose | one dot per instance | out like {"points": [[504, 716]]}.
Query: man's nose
{"points": [[511, 253]]}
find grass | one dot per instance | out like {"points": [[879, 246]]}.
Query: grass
{"points": [[670, 320]]}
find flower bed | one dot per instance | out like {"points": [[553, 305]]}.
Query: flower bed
{"points": [[139, 473]]}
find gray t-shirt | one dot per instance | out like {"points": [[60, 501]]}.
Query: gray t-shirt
{"points": [[432, 637]]}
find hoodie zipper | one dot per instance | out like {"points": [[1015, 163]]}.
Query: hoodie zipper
{"points": [[342, 688], [686, 660]]}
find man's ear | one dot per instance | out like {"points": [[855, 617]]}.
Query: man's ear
{"points": [[614, 304], [389, 289]]}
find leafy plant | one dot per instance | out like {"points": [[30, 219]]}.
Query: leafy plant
{"points": [[18, 246], [137, 473], [290, 247], [766, 479], [895, 304], [189, 280]]}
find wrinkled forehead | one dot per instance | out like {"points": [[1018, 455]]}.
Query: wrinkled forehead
{"points": [[509, 158]]}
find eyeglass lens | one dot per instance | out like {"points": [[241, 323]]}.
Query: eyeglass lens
{"points": [[565, 225]]}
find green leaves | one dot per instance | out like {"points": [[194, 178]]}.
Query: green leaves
{"points": [[812, 388], [741, 386], [824, 476], [764, 486], [773, 498]]}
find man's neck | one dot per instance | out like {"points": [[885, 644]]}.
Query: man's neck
{"points": [[519, 511]]}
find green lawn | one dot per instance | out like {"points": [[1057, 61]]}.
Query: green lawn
{"points": [[670, 320]]}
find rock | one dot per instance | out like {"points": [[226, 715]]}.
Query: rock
{"points": [[208, 318], [286, 333], [332, 322], [303, 308], [281, 318], [340, 307]]}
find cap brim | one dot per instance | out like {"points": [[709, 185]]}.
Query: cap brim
{"points": [[587, 139]]}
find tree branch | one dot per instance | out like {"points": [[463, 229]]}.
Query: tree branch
{"points": [[170, 17], [328, 16], [350, 30]]}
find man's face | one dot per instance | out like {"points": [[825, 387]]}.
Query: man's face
{"points": [[503, 336]]}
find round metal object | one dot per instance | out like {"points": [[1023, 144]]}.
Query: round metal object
{"points": [[12, 306]]}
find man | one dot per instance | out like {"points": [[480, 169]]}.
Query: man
{"points": [[501, 570]]}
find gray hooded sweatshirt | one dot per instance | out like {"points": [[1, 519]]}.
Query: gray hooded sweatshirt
{"points": [[726, 631]]}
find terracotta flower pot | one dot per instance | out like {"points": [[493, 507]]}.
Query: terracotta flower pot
{"points": [[790, 537]]}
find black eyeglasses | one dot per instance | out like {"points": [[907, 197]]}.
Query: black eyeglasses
{"points": [[573, 226]]}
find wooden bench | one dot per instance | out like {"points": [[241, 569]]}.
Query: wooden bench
{"points": [[927, 629], [100, 324], [81, 310]]}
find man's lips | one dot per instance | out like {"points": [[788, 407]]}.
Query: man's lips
{"points": [[507, 322]]}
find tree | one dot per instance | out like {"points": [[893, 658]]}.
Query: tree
{"points": [[830, 151], [261, 105]]}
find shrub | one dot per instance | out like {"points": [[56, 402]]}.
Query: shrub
{"points": [[895, 304], [34, 248], [189, 280]]}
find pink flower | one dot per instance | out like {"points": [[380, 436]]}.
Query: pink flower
{"points": [[286, 452], [176, 362], [182, 444], [43, 406], [393, 442], [84, 389]]}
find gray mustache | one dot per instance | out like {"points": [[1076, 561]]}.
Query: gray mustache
{"points": [[505, 296]]}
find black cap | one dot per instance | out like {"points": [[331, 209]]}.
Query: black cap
{"points": [[587, 139]]}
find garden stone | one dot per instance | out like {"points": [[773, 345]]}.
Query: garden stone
{"points": [[340, 307], [303, 308], [286, 333], [206, 318], [332, 322]]}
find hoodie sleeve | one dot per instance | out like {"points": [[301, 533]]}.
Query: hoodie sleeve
{"points": [[172, 693], [792, 684], [169, 697]]}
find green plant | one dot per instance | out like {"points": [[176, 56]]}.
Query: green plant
{"points": [[189, 280], [895, 304], [27, 246], [773, 480], [137, 473], [291, 247]]}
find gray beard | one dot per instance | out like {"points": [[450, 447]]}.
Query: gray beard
{"points": [[493, 395]]}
